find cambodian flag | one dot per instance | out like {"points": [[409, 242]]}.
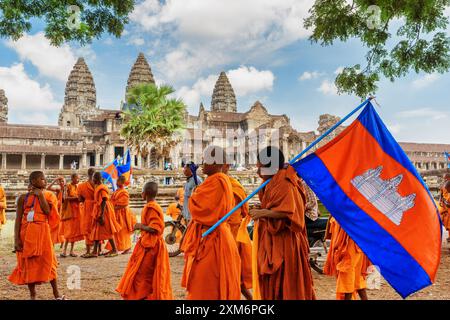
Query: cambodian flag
{"points": [[125, 169], [111, 174], [369, 185]]}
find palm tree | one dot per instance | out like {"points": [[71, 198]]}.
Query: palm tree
{"points": [[153, 119]]}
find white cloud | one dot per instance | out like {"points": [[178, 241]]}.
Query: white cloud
{"points": [[424, 113], [244, 80], [425, 81], [339, 70], [53, 62], [137, 41], [309, 75], [328, 87], [26, 95], [208, 34], [395, 128]]}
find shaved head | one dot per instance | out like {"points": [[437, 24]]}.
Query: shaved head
{"points": [[91, 172], [36, 175], [215, 155], [150, 189]]}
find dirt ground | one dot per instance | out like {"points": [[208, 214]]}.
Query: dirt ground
{"points": [[100, 276]]}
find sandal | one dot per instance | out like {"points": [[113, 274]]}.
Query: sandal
{"points": [[62, 255], [111, 255], [63, 297], [73, 255], [91, 255]]}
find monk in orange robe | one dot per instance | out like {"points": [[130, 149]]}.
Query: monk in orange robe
{"points": [[105, 223], [36, 214], [347, 262], [174, 209], [126, 219], [239, 221], [180, 196], [57, 231], [70, 216], [147, 276], [212, 269], [281, 250], [2, 207], [444, 203], [86, 191]]}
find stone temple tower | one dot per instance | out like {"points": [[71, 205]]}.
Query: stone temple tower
{"points": [[3, 107], [223, 98], [80, 96], [140, 73]]}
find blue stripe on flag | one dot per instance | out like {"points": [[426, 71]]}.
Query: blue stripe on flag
{"points": [[396, 265]]}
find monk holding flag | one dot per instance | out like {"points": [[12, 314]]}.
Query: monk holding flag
{"points": [[212, 269], [37, 213], [147, 276], [238, 222], [347, 263], [281, 269], [86, 191], [444, 203], [105, 223], [125, 218]]}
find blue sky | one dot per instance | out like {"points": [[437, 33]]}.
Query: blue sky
{"points": [[259, 43]]}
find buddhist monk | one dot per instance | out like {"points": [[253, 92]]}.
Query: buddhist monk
{"points": [[125, 218], [444, 203], [2, 207], [105, 223], [212, 269], [57, 231], [174, 209], [347, 263], [70, 216], [36, 214], [280, 263], [239, 221], [86, 192], [180, 196], [147, 276]]}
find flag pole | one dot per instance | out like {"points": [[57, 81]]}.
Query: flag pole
{"points": [[313, 144]]}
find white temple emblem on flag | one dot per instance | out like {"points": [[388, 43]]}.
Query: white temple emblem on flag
{"points": [[383, 194]]}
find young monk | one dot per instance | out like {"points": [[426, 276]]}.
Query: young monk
{"points": [[239, 221], [105, 223], [174, 209], [444, 203], [281, 268], [2, 207], [147, 276], [57, 232], [347, 263], [86, 192], [212, 269], [36, 214], [71, 225], [126, 219]]}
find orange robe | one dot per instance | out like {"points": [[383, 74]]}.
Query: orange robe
{"points": [[212, 269], [125, 218], [147, 275], [345, 261], [443, 209], [72, 226], [180, 194], [110, 226], [173, 211], [36, 263], [236, 219], [281, 249], [86, 190], [2, 211], [57, 231]]}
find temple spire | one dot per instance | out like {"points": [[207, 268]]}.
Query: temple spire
{"points": [[80, 95], [3, 107], [140, 73], [223, 98]]}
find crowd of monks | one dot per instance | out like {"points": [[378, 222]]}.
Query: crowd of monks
{"points": [[225, 265]]}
